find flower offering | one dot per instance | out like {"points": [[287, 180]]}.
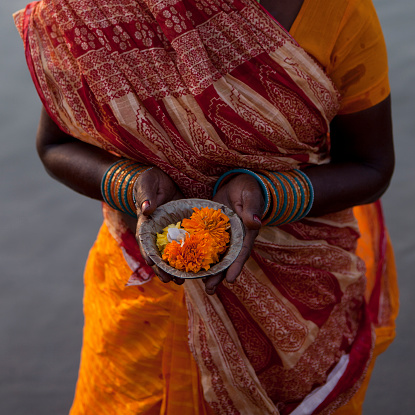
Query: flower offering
{"points": [[197, 242], [192, 238]]}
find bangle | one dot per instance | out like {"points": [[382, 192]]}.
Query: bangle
{"points": [[297, 192], [294, 196], [311, 193], [281, 196], [288, 195], [274, 203], [117, 185], [302, 197]]}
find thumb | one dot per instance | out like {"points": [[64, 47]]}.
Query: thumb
{"points": [[148, 206], [146, 194], [252, 210]]}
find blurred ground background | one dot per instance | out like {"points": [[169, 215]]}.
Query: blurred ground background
{"points": [[46, 231]]}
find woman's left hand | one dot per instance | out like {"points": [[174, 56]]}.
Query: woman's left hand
{"points": [[244, 196]]}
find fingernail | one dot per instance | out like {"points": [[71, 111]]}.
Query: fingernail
{"points": [[145, 205], [257, 219]]}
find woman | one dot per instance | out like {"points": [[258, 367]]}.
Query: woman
{"points": [[196, 89]]}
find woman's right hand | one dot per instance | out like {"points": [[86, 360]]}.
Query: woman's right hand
{"points": [[152, 189]]}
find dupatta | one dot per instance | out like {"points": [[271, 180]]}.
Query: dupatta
{"points": [[197, 87]]}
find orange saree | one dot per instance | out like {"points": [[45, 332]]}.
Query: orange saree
{"points": [[198, 87]]}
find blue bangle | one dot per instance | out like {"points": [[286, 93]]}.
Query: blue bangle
{"points": [[298, 215], [310, 188], [284, 206], [295, 204], [124, 199], [271, 183], [107, 191], [244, 171], [120, 200]]}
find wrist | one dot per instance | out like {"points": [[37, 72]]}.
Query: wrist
{"points": [[288, 195], [117, 185], [292, 196]]}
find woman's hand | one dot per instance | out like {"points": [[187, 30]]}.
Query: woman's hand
{"points": [[153, 189], [244, 196]]}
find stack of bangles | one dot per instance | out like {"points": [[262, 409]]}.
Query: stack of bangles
{"points": [[117, 185], [288, 195]]}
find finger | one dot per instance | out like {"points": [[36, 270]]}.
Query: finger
{"points": [[212, 282], [163, 276], [178, 281], [236, 268]]}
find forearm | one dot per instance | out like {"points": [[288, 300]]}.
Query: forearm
{"points": [[338, 186], [361, 167], [362, 163], [79, 166], [82, 167], [76, 164]]}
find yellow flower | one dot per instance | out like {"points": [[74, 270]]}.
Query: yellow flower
{"points": [[161, 240], [195, 253], [212, 222]]}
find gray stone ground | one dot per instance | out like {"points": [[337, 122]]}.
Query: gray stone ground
{"points": [[46, 231]]}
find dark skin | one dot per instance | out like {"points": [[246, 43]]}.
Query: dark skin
{"points": [[362, 163], [285, 11]]}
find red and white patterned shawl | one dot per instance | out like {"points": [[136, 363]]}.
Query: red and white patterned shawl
{"points": [[198, 87]]}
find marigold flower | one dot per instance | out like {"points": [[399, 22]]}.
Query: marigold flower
{"points": [[162, 240], [212, 222], [195, 253]]}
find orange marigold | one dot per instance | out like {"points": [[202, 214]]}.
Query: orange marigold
{"points": [[212, 222], [195, 253]]}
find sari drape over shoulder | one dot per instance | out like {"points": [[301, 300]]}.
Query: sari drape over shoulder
{"points": [[197, 87], [194, 89]]}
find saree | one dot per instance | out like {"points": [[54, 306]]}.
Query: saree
{"points": [[197, 88]]}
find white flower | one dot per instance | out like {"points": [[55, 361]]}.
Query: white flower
{"points": [[178, 235]]}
